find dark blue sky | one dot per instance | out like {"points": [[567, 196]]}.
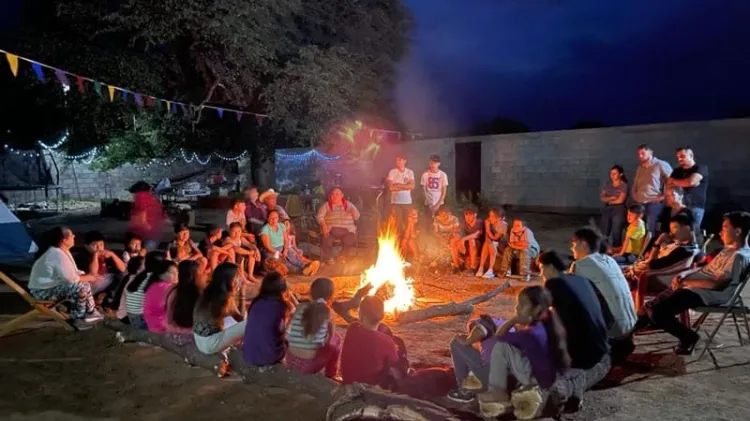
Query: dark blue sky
{"points": [[552, 63]]}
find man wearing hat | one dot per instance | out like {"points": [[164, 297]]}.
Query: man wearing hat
{"points": [[269, 198]]}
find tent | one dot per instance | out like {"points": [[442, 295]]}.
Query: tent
{"points": [[16, 244]]}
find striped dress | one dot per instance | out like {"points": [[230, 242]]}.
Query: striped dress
{"points": [[134, 300], [296, 337]]}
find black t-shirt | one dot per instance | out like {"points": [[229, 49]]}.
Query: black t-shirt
{"points": [[477, 227], [576, 302], [695, 197]]}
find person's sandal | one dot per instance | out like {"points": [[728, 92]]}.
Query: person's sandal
{"points": [[472, 383], [528, 402]]}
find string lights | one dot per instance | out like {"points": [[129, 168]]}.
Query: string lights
{"points": [[306, 156]]}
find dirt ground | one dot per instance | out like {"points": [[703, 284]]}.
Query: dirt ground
{"points": [[48, 373]]}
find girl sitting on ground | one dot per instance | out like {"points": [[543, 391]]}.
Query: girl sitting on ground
{"points": [[531, 348], [291, 245], [496, 237], [156, 293], [314, 344], [136, 265], [265, 342], [135, 291], [216, 307], [181, 301]]}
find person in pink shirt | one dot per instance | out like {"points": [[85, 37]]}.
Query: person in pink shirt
{"points": [[147, 215], [155, 300]]}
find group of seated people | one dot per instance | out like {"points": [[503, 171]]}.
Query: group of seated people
{"points": [[475, 244]]}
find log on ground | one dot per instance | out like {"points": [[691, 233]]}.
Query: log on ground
{"points": [[349, 402], [450, 309]]}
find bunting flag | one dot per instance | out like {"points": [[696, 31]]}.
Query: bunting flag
{"points": [[13, 63], [63, 77]]}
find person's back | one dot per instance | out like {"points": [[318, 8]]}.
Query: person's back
{"points": [[264, 342], [606, 275], [577, 305], [367, 355]]}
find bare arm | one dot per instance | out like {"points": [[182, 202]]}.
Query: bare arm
{"points": [[119, 264]]}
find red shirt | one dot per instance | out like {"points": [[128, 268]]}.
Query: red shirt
{"points": [[146, 202], [366, 355]]}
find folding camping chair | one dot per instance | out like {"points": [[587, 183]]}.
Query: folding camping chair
{"points": [[734, 307], [39, 308]]}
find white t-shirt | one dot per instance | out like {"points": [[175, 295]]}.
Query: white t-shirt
{"points": [[433, 184], [607, 277], [55, 267], [395, 176], [232, 218]]}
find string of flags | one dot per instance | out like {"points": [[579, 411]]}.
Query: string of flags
{"points": [[114, 92]]}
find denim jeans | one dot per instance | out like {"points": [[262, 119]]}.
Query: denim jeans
{"points": [[466, 358], [698, 214], [652, 214], [612, 223]]}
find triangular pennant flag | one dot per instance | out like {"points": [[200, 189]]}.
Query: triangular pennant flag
{"points": [[13, 63], [239, 115], [138, 99], [111, 90], [259, 119], [173, 108], [62, 77], [150, 101], [220, 112], [169, 106], [79, 83], [98, 88], [124, 95], [38, 71]]}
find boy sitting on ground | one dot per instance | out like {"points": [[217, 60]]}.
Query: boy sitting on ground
{"points": [[635, 237], [183, 248], [133, 247], [214, 249], [522, 245], [468, 243]]}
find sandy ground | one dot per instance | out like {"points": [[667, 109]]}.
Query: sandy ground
{"points": [[48, 373]]}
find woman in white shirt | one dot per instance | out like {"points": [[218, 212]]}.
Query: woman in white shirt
{"points": [[55, 276]]}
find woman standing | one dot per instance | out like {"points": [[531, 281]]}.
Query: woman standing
{"points": [[613, 194]]}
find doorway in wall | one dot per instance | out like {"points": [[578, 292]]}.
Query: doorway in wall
{"points": [[468, 170]]}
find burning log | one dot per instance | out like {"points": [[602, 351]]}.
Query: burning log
{"points": [[450, 309], [351, 402]]}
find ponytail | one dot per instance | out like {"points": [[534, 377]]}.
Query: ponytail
{"points": [[317, 313], [556, 336]]}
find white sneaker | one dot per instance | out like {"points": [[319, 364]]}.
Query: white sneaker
{"points": [[489, 274]]}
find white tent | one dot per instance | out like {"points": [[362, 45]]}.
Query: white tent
{"points": [[15, 242]]}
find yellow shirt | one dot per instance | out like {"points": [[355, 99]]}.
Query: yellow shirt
{"points": [[636, 234]]}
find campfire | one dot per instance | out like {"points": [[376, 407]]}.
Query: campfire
{"points": [[387, 276]]}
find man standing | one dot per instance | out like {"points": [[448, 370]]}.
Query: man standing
{"points": [[400, 183], [435, 184], [650, 178], [693, 178]]}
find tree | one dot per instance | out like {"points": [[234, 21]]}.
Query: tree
{"points": [[499, 125], [306, 64], [587, 124]]}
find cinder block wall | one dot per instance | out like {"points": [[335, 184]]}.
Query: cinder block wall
{"points": [[565, 169]]}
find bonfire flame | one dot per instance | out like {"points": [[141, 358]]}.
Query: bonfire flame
{"points": [[389, 269]]}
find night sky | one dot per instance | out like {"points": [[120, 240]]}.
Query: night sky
{"points": [[552, 63]]}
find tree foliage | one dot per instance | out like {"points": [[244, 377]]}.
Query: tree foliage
{"points": [[306, 64]]}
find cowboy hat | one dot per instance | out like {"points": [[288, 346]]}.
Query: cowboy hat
{"points": [[263, 196]]}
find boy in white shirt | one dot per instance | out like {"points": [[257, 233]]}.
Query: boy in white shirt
{"points": [[400, 183], [435, 184]]}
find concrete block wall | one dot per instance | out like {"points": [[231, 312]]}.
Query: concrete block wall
{"points": [[78, 181], [566, 169]]}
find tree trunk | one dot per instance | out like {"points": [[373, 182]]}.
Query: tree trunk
{"points": [[450, 309], [351, 402]]}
